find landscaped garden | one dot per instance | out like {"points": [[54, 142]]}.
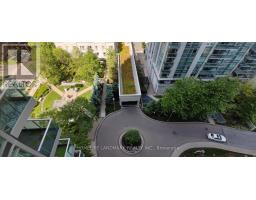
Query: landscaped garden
{"points": [[75, 118], [131, 141], [210, 152], [45, 99], [75, 122], [78, 86], [49, 100], [126, 70]]}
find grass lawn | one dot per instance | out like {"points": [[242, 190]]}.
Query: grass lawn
{"points": [[36, 111], [126, 68], [49, 100], [211, 152]]}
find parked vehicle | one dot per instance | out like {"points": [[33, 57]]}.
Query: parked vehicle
{"points": [[216, 137]]}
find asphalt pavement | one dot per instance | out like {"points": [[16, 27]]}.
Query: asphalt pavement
{"points": [[163, 139]]}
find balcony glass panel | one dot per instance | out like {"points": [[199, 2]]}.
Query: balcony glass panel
{"points": [[65, 148], [40, 135], [12, 104]]}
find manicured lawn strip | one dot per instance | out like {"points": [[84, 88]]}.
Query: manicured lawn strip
{"points": [[126, 67], [36, 111], [49, 99], [41, 91]]}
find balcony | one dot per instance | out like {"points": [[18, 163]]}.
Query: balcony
{"points": [[129, 88], [15, 108], [65, 148], [41, 135]]}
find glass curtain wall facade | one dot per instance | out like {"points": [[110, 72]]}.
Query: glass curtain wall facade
{"points": [[170, 61], [247, 68]]}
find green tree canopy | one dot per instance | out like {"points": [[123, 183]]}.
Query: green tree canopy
{"points": [[190, 98], [89, 65], [76, 53], [111, 65], [55, 63], [75, 122], [245, 106]]}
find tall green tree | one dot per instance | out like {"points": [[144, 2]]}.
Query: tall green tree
{"points": [[185, 98], [221, 93], [190, 98], [90, 66], [111, 65], [75, 122], [63, 62], [76, 53], [245, 103], [55, 63]]}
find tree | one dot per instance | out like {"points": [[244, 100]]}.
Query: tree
{"points": [[109, 94], [75, 122], [190, 98], [96, 94], [90, 66], [55, 63], [184, 98], [63, 63], [153, 108], [221, 93], [245, 103], [76, 53], [111, 65]]}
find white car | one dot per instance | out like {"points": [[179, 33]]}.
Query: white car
{"points": [[216, 137]]}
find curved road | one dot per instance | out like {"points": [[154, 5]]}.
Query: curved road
{"points": [[166, 138]]}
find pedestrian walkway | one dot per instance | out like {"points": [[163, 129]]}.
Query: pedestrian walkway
{"points": [[55, 89], [84, 91]]}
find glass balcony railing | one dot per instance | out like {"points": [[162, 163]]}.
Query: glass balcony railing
{"points": [[65, 148], [40, 134], [12, 104]]}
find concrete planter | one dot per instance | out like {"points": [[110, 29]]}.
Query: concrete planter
{"points": [[134, 98]]}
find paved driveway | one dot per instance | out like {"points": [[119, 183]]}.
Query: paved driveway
{"points": [[166, 138]]}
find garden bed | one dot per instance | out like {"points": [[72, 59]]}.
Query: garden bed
{"points": [[210, 152], [126, 70]]}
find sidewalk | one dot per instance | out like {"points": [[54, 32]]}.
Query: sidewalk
{"points": [[84, 91]]}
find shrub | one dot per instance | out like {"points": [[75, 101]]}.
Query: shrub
{"points": [[131, 139]]}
